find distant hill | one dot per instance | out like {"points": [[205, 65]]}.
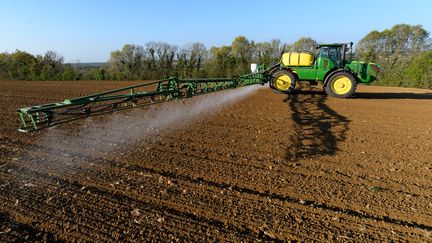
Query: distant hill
{"points": [[89, 64]]}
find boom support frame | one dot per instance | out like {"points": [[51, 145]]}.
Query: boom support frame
{"points": [[46, 115]]}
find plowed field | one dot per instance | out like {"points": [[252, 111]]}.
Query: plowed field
{"points": [[244, 164]]}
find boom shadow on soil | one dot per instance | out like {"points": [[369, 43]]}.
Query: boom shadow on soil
{"points": [[317, 128], [378, 96]]}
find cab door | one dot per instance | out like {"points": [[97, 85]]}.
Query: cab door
{"points": [[324, 61]]}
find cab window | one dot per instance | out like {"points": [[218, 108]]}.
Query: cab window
{"points": [[332, 52]]}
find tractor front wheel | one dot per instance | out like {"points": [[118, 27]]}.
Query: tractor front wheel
{"points": [[283, 81], [341, 85]]}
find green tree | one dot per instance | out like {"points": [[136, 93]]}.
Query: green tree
{"points": [[419, 72], [69, 73], [394, 49], [269, 52], [242, 49], [53, 65], [5, 61], [369, 48], [21, 65], [304, 44], [221, 63], [99, 73]]}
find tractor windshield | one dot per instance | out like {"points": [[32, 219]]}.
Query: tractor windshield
{"points": [[332, 52]]}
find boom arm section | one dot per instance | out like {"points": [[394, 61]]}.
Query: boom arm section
{"points": [[45, 115]]}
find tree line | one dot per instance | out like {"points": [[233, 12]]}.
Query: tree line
{"points": [[404, 52], [154, 60], [157, 60]]}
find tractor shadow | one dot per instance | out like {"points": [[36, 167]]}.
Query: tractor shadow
{"points": [[416, 96], [317, 128]]}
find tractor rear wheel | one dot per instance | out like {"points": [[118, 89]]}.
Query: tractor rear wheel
{"points": [[341, 85], [283, 81]]}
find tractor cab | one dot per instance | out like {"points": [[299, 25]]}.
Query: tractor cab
{"points": [[337, 53]]}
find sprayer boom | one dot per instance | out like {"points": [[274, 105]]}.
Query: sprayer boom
{"points": [[45, 115]]}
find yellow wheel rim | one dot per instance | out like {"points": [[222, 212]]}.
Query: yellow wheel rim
{"points": [[341, 85], [283, 82]]}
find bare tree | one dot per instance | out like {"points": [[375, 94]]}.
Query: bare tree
{"points": [[129, 61]]}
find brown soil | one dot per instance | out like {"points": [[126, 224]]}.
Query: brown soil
{"points": [[266, 167]]}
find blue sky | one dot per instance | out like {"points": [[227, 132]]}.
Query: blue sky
{"points": [[87, 31]]}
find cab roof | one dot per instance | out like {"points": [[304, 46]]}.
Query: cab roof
{"points": [[334, 44]]}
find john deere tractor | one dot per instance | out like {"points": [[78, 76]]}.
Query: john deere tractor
{"points": [[329, 64]]}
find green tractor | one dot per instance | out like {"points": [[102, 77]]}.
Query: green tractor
{"points": [[329, 64]]}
